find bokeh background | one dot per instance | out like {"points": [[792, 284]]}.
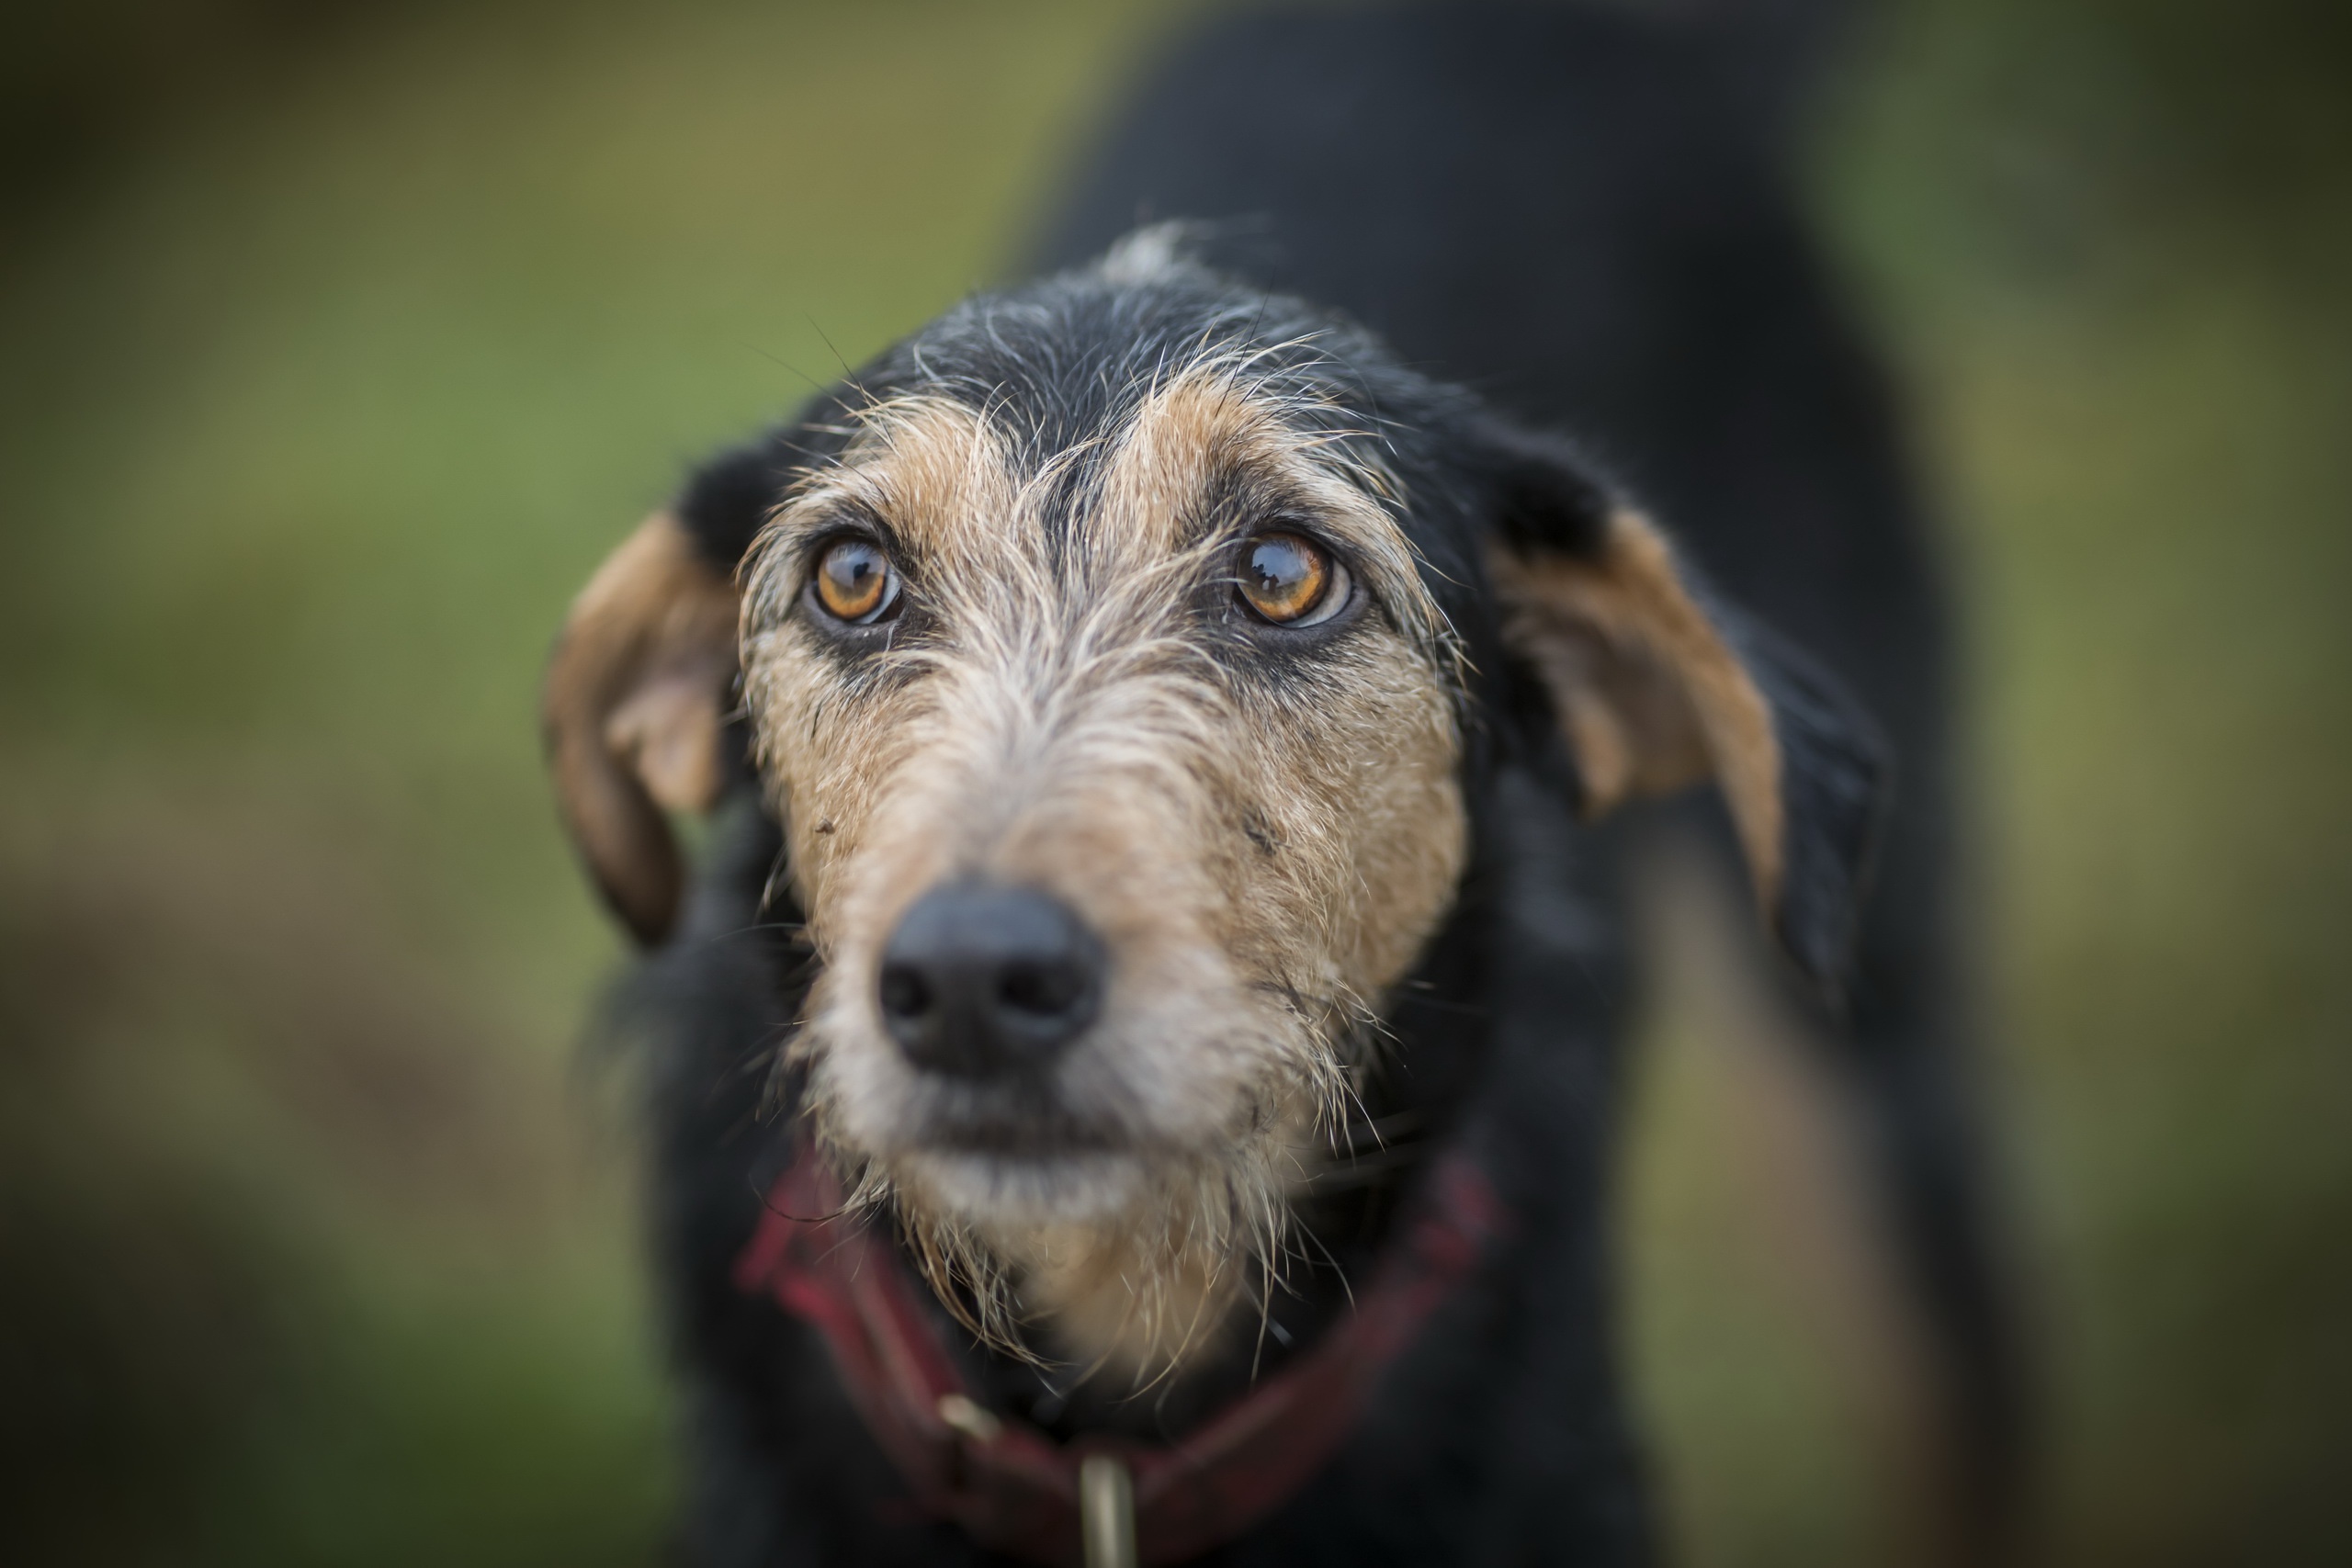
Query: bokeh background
{"points": [[339, 341]]}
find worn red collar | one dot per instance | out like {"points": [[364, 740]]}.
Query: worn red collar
{"points": [[1015, 1490]]}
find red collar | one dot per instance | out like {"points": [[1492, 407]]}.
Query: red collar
{"points": [[1015, 1490]]}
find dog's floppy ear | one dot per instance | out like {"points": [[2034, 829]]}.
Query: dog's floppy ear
{"points": [[1656, 684], [635, 697]]}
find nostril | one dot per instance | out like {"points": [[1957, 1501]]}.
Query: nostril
{"points": [[1048, 989], [904, 994]]}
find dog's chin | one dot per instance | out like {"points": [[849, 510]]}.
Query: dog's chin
{"points": [[997, 1191]]}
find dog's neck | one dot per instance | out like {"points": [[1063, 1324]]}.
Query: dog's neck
{"points": [[1104, 1304]]}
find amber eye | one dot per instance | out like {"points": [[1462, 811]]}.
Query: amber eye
{"points": [[1290, 581], [855, 582]]}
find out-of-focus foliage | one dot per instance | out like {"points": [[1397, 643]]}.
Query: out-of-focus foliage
{"points": [[341, 341]]}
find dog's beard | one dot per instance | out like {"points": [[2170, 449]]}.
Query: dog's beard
{"points": [[1127, 1260], [1126, 1264]]}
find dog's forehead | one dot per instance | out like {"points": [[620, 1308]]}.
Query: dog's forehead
{"points": [[1038, 405], [1065, 361], [1201, 452]]}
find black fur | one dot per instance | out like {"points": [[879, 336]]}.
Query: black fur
{"points": [[1577, 217]]}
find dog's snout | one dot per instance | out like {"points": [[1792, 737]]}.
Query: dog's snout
{"points": [[982, 979]]}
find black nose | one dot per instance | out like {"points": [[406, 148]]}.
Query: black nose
{"points": [[981, 978]]}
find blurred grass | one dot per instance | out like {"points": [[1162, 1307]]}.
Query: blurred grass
{"points": [[328, 378]]}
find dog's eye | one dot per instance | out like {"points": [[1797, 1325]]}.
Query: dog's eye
{"points": [[855, 582], [1290, 581]]}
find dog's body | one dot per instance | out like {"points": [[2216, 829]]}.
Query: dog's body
{"points": [[1309, 893]]}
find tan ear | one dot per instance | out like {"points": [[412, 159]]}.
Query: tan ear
{"points": [[1656, 684], [635, 698], [1648, 690]]}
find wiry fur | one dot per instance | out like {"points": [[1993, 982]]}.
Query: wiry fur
{"points": [[1262, 858]]}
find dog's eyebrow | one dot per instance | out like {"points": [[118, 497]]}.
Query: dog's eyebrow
{"points": [[1207, 432], [929, 473]]}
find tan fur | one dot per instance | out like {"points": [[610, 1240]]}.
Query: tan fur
{"points": [[1262, 859], [1649, 696], [631, 712]]}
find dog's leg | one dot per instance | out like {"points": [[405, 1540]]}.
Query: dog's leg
{"points": [[1859, 1134]]}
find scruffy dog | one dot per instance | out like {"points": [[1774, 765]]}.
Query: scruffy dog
{"points": [[1135, 1065]]}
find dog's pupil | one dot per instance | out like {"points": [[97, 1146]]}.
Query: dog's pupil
{"points": [[855, 570], [853, 576], [1285, 575], [1280, 564]]}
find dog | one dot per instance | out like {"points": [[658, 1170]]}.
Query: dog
{"points": [[1134, 1064]]}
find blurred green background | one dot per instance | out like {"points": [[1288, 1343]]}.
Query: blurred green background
{"points": [[338, 342]]}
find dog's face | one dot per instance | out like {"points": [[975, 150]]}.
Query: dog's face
{"points": [[1119, 757], [1110, 652]]}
